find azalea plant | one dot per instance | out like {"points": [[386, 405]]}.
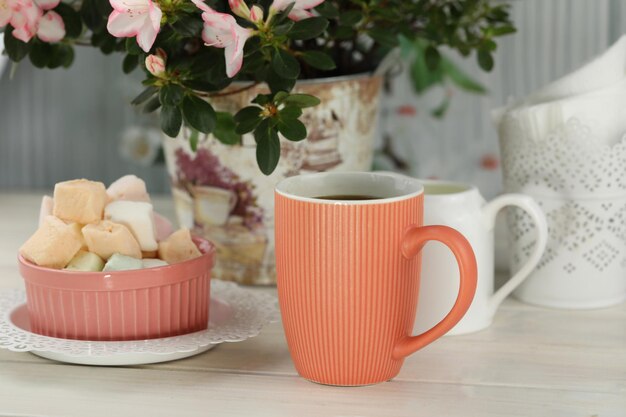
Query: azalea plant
{"points": [[192, 51]]}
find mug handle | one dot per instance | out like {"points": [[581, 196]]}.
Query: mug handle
{"points": [[529, 205], [414, 240]]}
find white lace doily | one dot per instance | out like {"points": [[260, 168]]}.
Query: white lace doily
{"points": [[251, 310]]}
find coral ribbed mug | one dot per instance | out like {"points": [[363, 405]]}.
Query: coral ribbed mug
{"points": [[348, 274]]}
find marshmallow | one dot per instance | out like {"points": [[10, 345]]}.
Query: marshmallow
{"points": [[163, 226], [129, 188], [178, 247], [54, 244], [106, 238], [47, 204], [86, 261], [138, 217], [153, 263], [119, 262], [79, 201]]}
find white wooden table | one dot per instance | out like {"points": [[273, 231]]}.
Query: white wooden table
{"points": [[531, 362]]}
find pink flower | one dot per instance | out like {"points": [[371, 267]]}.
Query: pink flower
{"points": [[25, 19], [47, 4], [301, 8], [222, 31], [406, 110], [7, 8], [256, 14], [155, 64], [28, 19], [51, 27], [240, 8], [489, 162], [139, 18]]}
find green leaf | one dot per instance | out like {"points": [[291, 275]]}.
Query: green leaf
{"points": [[489, 45], [344, 33], [284, 14], [132, 47], [503, 30], [188, 26], [460, 78], [283, 28], [247, 119], [90, 15], [351, 17], [268, 147], [292, 129], [302, 100], [328, 10], [441, 110], [225, 129], [199, 114], [152, 105], [104, 41], [15, 48], [285, 64], [385, 37], [262, 99], [144, 95], [62, 56], [291, 112], [247, 113], [407, 47], [171, 94], [193, 139], [67, 55], [485, 59], [71, 19], [40, 53], [104, 7], [421, 76], [319, 60], [432, 57], [171, 120], [308, 28], [277, 83], [280, 97], [187, 7], [130, 63]]}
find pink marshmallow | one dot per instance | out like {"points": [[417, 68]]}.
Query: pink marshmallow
{"points": [[163, 226], [128, 188]]}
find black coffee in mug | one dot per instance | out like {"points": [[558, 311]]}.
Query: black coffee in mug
{"points": [[348, 197]]}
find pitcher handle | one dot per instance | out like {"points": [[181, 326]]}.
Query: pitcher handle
{"points": [[529, 205], [414, 240]]}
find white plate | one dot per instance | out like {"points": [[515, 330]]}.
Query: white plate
{"points": [[236, 314]]}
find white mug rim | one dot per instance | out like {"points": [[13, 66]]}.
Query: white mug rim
{"points": [[464, 189], [417, 184]]}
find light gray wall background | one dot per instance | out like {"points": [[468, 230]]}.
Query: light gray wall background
{"points": [[62, 124]]}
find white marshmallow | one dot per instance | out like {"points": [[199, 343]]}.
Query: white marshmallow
{"points": [[130, 188], [153, 263], [119, 262], [138, 218]]}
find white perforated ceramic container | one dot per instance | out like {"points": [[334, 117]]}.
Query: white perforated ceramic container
{"points": [[580, 183]]}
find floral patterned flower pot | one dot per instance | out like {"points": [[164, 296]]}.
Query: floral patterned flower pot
{"points": [[220, 192]]}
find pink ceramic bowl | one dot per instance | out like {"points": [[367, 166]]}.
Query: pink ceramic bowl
{"points": [[121, 305]]}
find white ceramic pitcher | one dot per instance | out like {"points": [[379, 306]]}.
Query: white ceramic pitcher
{"points": [[462, 207]]}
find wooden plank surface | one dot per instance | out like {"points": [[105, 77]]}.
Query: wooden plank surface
{"points": [[530, 362]]}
